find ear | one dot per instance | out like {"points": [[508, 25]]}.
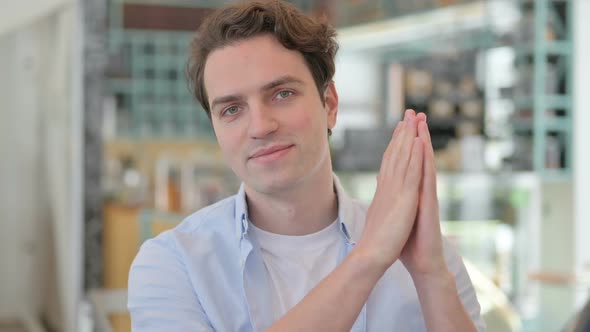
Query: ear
{"points": [[331, 104]]}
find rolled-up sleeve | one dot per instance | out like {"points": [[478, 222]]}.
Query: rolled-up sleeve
{"points": [[160, 294], [465, 287]]}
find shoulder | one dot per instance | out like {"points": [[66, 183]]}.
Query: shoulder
{"points": [[210, 217], [216, 220]]}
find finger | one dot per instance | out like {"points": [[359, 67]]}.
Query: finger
{"points": [[411, 185], [402, 158], [428, 208], [395, 154], [424, 134], [413, 178], [429, 164], [409, 113], [396, 134], [392, 152], [386, 162], [421, 117]]}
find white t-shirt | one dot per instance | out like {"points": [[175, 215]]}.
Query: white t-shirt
{"points": [[296, 264]]}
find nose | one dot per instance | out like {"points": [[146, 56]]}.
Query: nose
{"points": [[262, 121]]}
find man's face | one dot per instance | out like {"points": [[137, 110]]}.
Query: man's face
{"points": [[267, 114]]}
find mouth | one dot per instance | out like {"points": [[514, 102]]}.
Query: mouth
{"points": [[271, 153]]}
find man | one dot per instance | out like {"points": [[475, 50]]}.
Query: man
{"points": [[291, 251]]}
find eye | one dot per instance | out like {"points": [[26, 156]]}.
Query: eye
{"points": [[230, 110], [284, 94]]}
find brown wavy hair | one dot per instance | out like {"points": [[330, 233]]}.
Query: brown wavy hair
{"points": [[314, 39]]}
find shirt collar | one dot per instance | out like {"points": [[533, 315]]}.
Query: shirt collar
{"points": [[345, 208], [345, 217], [241, 213]]}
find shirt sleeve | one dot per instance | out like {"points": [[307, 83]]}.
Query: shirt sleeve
{"points": [[160, 295], [464, 285]]}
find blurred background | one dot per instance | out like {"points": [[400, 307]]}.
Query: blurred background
{"points": [[102, 145]]}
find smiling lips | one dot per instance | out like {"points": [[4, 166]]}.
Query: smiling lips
{"points": [[271, 153]]}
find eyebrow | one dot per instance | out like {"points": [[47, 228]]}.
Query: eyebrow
{"points": [[268, 86], [280, 81]]}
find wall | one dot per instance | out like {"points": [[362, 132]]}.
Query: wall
{"points": [[557, 252], [40, 167], [357, 80], [582, 136], [24, 222], [17, 14]]}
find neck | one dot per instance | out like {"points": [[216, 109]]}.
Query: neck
{"points": [[305, 209]]}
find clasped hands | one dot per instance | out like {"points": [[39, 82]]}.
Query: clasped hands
{"points": [[403, 219]]}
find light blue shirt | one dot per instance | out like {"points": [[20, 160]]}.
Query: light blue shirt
{"points": [[207, 274]]}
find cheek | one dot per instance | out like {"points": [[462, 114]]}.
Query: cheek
{"points": [[229, 142], [308, 119]]}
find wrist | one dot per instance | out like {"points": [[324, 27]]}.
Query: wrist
{"points": [[439, 279], [367, 263], [430, 267], [441, 303]]}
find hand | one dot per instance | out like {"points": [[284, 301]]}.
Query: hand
{"points": [[423, 254], [393, 211]]}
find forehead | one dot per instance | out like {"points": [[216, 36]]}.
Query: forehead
{"points": [[249, 64]]}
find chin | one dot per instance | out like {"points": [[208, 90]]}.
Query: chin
{"points": [[275, 183]]}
